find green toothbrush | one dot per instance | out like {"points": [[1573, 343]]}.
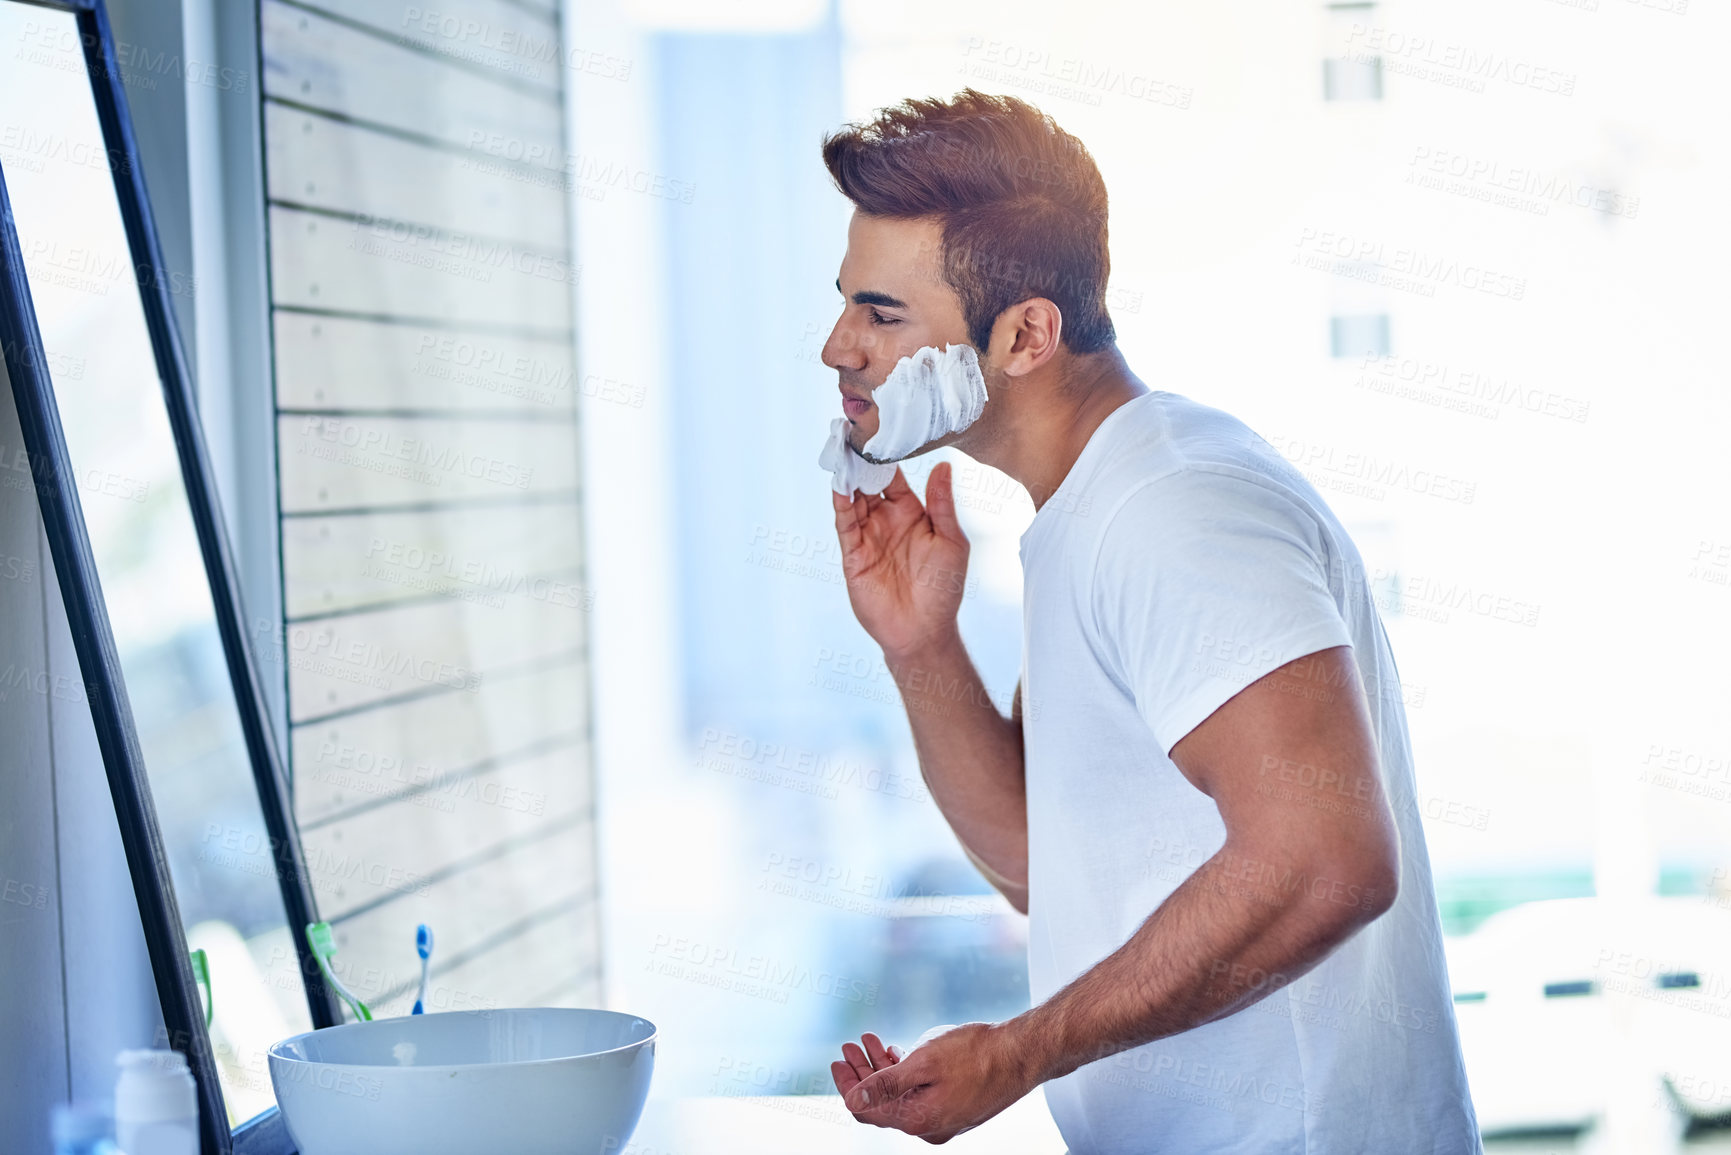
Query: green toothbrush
{"points": [[324, 944], [201, 972]]}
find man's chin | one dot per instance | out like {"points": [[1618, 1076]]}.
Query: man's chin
{"points": [[946, 440], [856, 437], [898, 460], [879, 460]]}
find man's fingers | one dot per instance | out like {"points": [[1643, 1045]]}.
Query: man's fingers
{"points": [[898, 1095], [941, 503], [898, 487], [876, 1051], [858, 1060], [887, 1084], [843, 1074], [850, 518]]}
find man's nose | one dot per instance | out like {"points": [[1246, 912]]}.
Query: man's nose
{"points": [[843, 350]]}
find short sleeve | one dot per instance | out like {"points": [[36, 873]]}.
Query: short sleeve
{"points": [[1206, 581]]}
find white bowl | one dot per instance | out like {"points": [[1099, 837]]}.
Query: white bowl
{"points": [[548, 1081]]}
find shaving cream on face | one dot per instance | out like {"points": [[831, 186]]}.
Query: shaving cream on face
{"points": [[930, 393], [848, 470]]}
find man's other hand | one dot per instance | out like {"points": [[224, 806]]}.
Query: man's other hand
{"points": [[951, 1084]]}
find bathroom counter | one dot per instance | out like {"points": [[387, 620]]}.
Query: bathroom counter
{"points": [[802, 1124]]}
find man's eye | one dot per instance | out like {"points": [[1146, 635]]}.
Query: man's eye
{"points": [[878, 318]]}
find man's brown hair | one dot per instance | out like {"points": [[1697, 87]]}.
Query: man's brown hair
{"points": [[1021, 202]]}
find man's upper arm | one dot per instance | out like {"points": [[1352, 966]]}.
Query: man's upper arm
{"points": [[1205, 582], [1291, 762], [1212, 595]]}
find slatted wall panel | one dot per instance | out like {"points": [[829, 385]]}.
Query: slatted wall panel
{"points": [[433, 583]]}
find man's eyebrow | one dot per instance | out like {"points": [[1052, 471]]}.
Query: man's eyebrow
{"points": [[872, 297]]}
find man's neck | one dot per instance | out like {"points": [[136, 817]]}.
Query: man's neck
{"points": [[1043, 431]]}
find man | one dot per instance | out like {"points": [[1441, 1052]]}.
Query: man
{"points": [[1203, 797]]}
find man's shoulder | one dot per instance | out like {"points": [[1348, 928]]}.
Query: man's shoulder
{"points": [[1176, 443], [1195, 465], [1176, 475]]}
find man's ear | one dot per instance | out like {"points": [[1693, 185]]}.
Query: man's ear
{"points": [[1026, 336]]}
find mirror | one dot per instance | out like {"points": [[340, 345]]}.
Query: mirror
{"points": [[137, 542]]}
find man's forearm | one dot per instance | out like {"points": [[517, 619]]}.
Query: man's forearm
{"points": [[970, 755], [1232, 933]]}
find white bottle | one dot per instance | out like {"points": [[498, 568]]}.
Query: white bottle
{"points": [[155, 1104]]}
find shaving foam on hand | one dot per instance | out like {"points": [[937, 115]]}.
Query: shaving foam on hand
{"points": [[932, 1034], [930, 393], [848, 470]]}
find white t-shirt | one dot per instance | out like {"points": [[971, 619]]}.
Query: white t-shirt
{"points": [[1182, 559]]}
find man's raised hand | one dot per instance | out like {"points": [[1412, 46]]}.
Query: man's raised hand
{"points": [[906, 564]]}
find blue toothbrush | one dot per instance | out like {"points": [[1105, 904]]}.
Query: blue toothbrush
{"points": [[424, 948]]}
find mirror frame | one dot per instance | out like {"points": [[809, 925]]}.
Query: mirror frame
{"points": [[87, 613]]}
